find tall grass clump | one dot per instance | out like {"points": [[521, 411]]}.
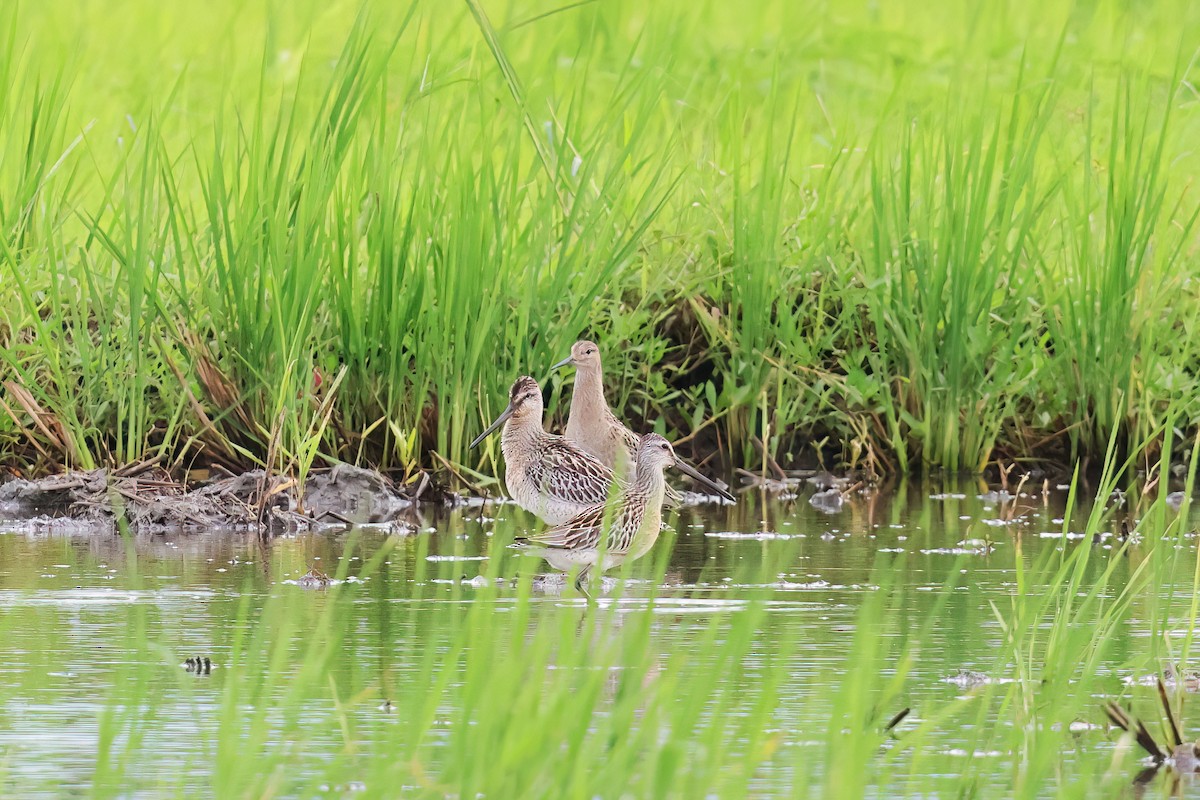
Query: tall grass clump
{"points": [[951, 223], [302, 235], [1113, 289]]}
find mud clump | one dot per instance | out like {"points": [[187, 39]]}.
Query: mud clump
{"points": [[354, 492], [152, 500], [148, 500], [314, 579]]}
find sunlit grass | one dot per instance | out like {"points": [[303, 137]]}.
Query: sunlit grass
{"points": [[907, 236]]}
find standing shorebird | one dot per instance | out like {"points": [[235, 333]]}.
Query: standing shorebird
{"points": [[629, 524], [591, 425], [544, 473]]}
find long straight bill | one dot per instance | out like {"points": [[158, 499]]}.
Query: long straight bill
{"points": [[500, 420], [687, 469]]}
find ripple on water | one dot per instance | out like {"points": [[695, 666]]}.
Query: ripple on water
{"points": [[1060, 535], [756, 536], [99, 597], [67, 644], [1004, 523], [956, 551], [666, 605]]}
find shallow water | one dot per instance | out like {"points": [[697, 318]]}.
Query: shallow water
{"points": [[94, 630]]}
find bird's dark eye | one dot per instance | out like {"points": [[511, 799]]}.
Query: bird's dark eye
{"points": [[665, 447]]}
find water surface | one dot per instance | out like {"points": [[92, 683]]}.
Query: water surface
{"points": [[94, 630]]}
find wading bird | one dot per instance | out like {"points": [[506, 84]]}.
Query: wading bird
{"points": [[546, 474], [593, 427], [608, 534]]}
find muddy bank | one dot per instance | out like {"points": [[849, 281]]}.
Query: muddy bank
{"points": [[152, 500]]}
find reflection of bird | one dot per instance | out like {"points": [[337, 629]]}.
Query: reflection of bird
{"points": [[544, 473], [593, 427], [608, 534]]}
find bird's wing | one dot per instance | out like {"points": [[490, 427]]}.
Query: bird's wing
{"points": [[630, 439], [567, 473], [626, 522], [581, 532]]}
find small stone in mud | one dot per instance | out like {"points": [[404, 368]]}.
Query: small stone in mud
{"points": [[313, 579], [967, 678], [198, 666], [352, 492], [827, 480]]}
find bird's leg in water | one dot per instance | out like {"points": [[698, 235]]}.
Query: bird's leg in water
{"points": [[581, 582]]}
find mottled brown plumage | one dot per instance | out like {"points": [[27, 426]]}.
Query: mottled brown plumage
{"points": [[544, 473], [593, 428], [624, 529]]}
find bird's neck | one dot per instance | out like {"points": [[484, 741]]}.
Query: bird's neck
{"points": [[588, 397], [521, 430], [650, 481]]}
